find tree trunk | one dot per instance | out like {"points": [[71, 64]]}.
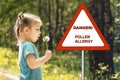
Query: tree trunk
{"points": [[57, 15], [39, 7], [50, 25], [100, 10], [57, 20]]}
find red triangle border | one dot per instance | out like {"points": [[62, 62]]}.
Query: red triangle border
{"points": [[82, 7]]}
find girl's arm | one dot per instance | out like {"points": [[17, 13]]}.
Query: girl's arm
{"points": [[35, 63]]}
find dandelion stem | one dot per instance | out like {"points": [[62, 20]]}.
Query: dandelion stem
{"points": [[46, 45]]}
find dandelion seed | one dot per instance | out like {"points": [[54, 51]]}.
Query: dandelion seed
{"points": [[46, 39]]}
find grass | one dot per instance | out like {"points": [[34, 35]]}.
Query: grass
{"points": [[65, 66], [9, 61]]}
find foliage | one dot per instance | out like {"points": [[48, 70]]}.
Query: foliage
{"points": [[116, 76], [115, 8], [103, 72], [63, 65], [8, 60], [57, 73]]}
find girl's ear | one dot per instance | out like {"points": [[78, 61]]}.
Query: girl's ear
{"points": [[26, 29]]}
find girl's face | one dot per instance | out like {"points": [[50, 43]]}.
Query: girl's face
{"points": [[34, 33]]}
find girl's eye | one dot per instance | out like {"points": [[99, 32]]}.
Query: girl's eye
{"points": [[37, 29]]}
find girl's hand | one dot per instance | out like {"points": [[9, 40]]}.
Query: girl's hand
{"points": [[48, 54]]}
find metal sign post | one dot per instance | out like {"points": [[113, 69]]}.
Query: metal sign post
{"points": [[82, 64]]}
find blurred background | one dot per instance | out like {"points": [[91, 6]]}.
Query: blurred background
{"points": [[56, 16]]}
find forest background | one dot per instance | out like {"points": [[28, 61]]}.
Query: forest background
{"points": [[56, 16]]}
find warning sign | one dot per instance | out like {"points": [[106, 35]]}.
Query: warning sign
{"points": [[82, 33]]}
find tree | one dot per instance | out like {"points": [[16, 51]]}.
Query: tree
{"points": [[100, 10]]}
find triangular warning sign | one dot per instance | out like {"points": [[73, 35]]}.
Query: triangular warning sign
{"points": [[82, 33]]}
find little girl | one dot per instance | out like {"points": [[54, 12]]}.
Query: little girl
{"points": [[27, 30]]}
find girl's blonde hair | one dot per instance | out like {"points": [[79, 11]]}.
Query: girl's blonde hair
{"points": [[25, 20]]}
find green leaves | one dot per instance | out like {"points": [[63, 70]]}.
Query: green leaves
{"points": [[9, 61]]}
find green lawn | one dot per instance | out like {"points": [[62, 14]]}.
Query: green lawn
{"points": [[65, 66]]}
